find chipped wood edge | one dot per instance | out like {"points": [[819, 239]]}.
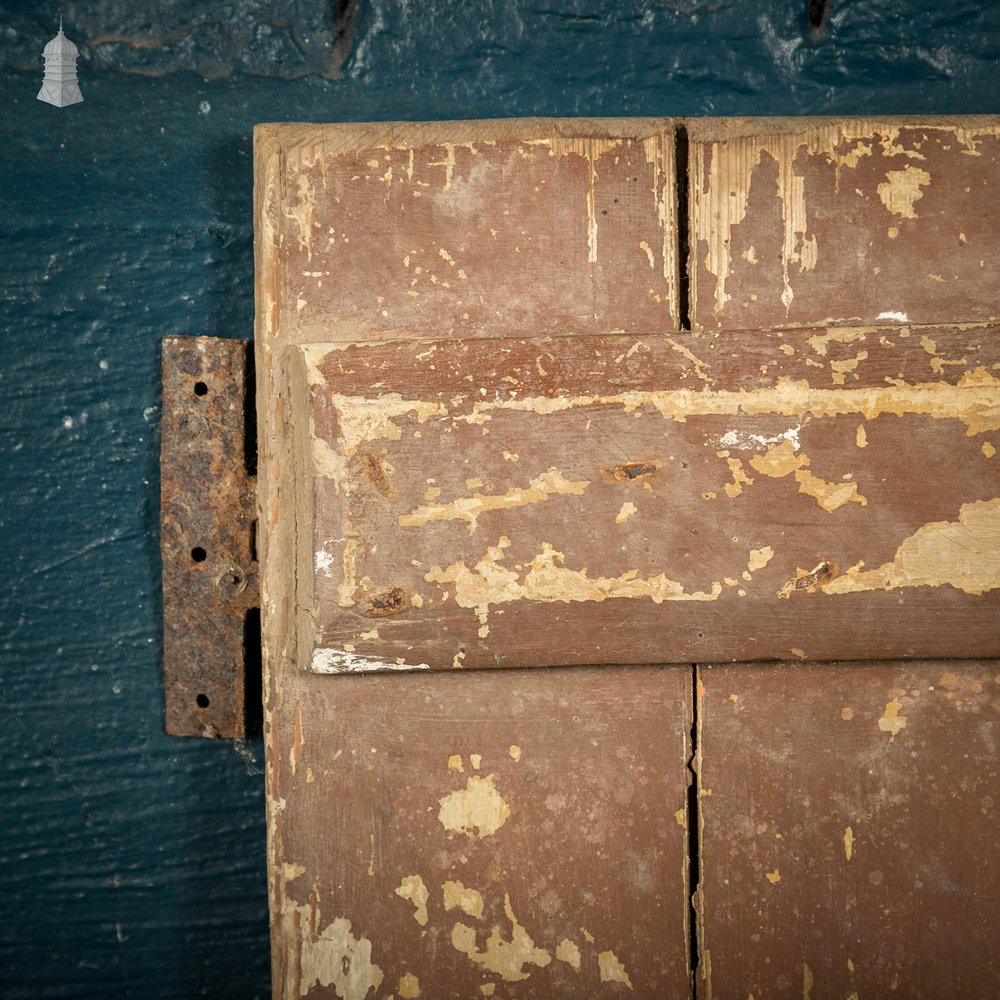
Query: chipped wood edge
{"points": [[721, 129], [326, 139]]}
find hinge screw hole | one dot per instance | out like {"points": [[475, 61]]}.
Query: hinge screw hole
{"points": [[198, 554], [202, 701], [200, 388]]}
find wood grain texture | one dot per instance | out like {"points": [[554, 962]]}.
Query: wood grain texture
{"points": [[455, 835], [589, 499], [846, 836], [838, 221], [475, 228], [544, 187]]}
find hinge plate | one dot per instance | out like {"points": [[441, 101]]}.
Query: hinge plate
{"points": [[208, 522]]}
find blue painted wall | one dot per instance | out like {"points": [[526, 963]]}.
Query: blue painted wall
{"points": [[132, 864]]}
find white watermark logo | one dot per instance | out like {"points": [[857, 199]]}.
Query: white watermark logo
{"points": [[59, 86]]}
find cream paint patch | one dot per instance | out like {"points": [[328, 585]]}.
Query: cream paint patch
{"points": [[590, 150], [892, 722], [362, 419], [736, 470], [409, 986], [550, 483], [334, 957], [847, 366], [412, 888], [807, 982], [458, 896], [699, 366], [964, 554], [729, 173], [781, 461], [302, 212], [724, 169], [627, 510], [567, 951], [611, 969], [759, 558], [848, 335], [773, 877], [901, 190], [478, 810], [848, 843], [547, 581], [973, 400], [499, 956]]}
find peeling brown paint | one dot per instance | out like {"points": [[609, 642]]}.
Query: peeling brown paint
{"points": [[412, 887], [973, 400], [781, 460], [612, 970], [334, 957], [547, 580], [964, 554], [567, 951], [901, 190], [540, 489], [505, 958], [469, 901]]}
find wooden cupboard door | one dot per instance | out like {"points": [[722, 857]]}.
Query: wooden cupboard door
{"points": [[847, 829], [488, 441]]}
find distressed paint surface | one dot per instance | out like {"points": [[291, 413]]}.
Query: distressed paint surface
{"points": [[582, 891], [882, 834], [678, 498], [445, 501], [788, 215], [474, 228], [101, 271]]}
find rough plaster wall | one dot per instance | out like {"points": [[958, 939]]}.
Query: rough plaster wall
{"points": [[132, 863]]}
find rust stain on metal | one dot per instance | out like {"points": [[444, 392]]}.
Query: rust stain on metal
{"points": [[207, 538]]}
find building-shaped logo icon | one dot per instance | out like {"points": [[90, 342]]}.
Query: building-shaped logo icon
{"points": [[59, 86]]}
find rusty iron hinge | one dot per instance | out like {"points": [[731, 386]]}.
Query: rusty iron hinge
{"points": [[208, 526]]}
